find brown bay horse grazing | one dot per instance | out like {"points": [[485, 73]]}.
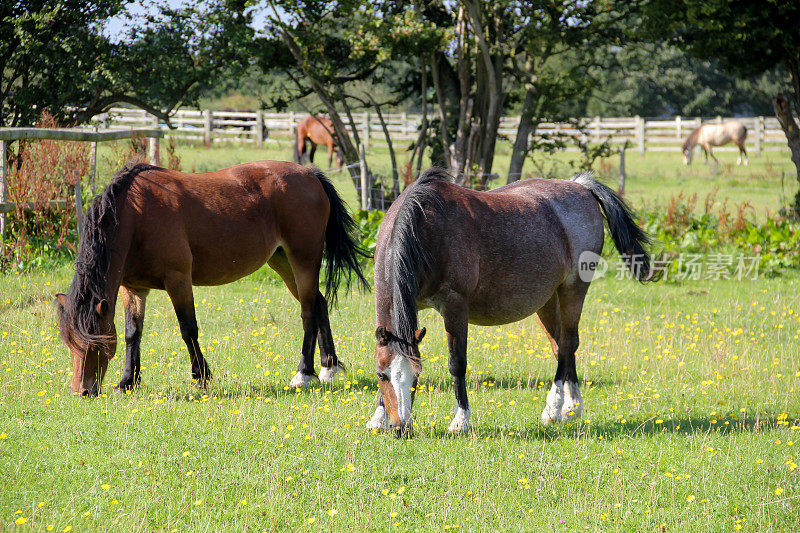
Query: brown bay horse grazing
{"points": [[708, 135], [153, 228], [490, 258], [317, 130]]}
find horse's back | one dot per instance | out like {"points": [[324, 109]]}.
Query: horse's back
{"points": [[223, 224], [508, 249]]}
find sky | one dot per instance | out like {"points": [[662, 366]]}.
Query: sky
{"points": [[116, 26]]}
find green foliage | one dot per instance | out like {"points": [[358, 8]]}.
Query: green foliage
{"points": [[51, 56], [368, 223], [678, 230]]}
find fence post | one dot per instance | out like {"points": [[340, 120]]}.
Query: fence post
{"points": [[640, 133], [759, 127], [260, 128], [207, 127], [678, 128], [3, 186], [364, 181], [718, 120], [93, 165], [153, 155], [621, 183], [78, 204], [597, 129], [292, 125], [404, 119]]}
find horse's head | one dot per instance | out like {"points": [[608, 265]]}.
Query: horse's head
{"points": [[398, 365], [91, 338], [687, 156], [339, 157]]}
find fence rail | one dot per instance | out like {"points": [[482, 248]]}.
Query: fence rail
{"points": [[259, 127]]}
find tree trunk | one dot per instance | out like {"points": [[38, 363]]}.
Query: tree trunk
{"points": [[423, 134], [783, 111], [521, 144]]}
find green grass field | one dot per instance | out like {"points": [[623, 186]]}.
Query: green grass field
{"points": [[692, 420], [768, 183], [692, 415]]}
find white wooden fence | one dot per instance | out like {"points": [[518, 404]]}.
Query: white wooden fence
{"points": [[258, 127]]}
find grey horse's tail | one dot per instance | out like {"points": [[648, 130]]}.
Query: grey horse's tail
{"points": [[629, 239]]}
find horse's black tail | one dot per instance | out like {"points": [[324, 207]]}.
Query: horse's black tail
{"points": [[341, 250], [629, 239]]}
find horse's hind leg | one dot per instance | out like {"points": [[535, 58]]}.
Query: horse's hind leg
{"points": [[331, 365], [312, 151], [327, 350], [564, 401], [742, 152], [134, 303], [179, 288]]}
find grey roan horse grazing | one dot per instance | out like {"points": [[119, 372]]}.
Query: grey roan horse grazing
{"points": [[490, 258], [709, 135]]}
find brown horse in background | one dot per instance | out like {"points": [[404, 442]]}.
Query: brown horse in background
{"points": [[317, 130], [491, 258], [153, 228]]}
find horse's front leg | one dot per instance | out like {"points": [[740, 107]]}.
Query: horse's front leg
{"points": [[455, 316], [134, 304], [179, 288]]}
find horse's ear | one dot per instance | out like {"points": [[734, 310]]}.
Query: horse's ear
{"points": [[60, 303], [419, 335], [102, 307], [382, 335]]}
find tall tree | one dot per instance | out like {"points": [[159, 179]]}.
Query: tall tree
{"points": [[54, 57]]}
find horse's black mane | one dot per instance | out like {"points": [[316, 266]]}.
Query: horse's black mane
{"points": [[88, 287], [691, 140], [410, 257]]}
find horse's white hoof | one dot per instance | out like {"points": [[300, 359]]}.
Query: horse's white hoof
{"points": [[378, 420], [460, 423], [555, 402], [303, 381], [573, 402], [328, 375]]}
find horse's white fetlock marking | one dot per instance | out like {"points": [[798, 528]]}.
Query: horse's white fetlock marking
{"points": [[328, 375], [378, 421], [573, 402], [460, 423], [555, 401], [303, 381]]}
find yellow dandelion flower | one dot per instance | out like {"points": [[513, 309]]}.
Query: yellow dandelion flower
{"points": [[333, 512], [21, 520], [778, 491]]}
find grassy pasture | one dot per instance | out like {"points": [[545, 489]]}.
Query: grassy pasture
{"points": [[691, 423], [652, 179]]}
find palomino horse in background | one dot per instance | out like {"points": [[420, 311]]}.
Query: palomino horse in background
{"points": [[708, 135], [153, 228], [490, 258], [317, 130]]}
